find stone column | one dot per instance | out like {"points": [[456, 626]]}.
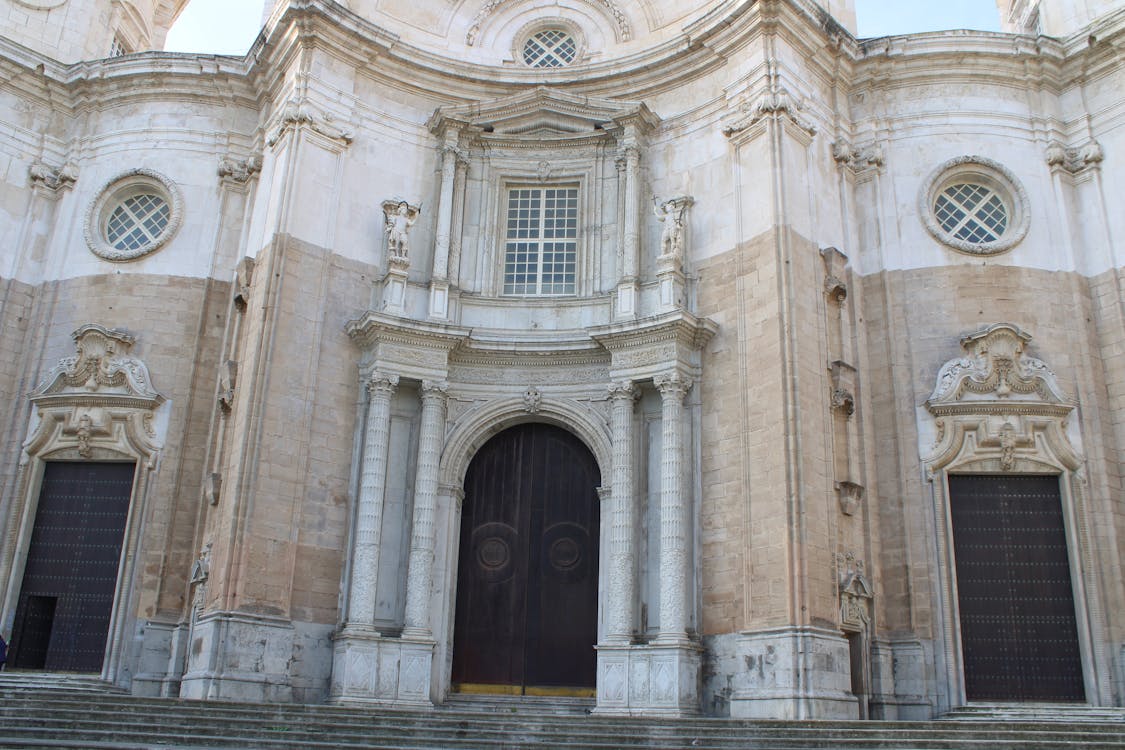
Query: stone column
{"points": [[674, 565], [622, 571], [439, 285], [369, 515], [419, 579], [630, 251]]}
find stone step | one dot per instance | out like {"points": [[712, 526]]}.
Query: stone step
{"points": [[89, 719], [1038, 712]]}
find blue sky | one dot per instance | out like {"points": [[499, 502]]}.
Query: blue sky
{"points": [[229, 26]]}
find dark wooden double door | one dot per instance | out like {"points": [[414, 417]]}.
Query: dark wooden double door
{"points": [[66, 598], [527, 590], [1019, 636]]}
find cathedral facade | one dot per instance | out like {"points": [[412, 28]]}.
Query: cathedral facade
{"points": [[690, 357]]}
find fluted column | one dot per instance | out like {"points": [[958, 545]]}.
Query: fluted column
{"points": [[673, 512], [419, 579], [369, 515], [622, 572]]}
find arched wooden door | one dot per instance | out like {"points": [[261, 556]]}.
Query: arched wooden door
{"points": [[527, 587]]}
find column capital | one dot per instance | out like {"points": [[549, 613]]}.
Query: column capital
{"points": [[623, 390], [381, 382], [672, 385], [435, 389]]}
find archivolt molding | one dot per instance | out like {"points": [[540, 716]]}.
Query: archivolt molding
{"points": [[624, 31], [473, 429]]}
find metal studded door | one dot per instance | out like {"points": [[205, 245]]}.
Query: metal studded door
{"points": [[66, 599], [1014, 589], [527, 591]]}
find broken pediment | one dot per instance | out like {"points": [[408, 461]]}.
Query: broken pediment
{"points": [[545, 113], [101, 372]]}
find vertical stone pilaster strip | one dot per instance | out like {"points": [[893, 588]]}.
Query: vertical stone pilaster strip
{"points": [[419, 578], [449, 157], [673, 511], [369, 515], [453, 271], [631, 250], [622, 572]]}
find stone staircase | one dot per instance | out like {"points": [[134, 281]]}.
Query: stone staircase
{"points": [[87, 719]]}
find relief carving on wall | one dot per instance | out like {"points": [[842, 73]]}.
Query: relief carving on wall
{"points": [[398, 218]]}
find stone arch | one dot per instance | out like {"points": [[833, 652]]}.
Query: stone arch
{"points": [[997, 410], [474, 429]]}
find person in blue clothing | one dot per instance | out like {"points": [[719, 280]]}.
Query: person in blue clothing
{"points": [[3, 652]]}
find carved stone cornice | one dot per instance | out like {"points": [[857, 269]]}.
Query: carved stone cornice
{"points": [[101, 374], [375, 327], [53, 179], [1075, 160], [545, 112]]}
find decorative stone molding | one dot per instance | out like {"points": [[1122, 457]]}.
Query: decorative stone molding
{"points": [[777, 103], [981, 171], [53, 179], [620, 20], [101, 374], [843, 387], [532, 400], [857, 159], [40, 4], [850, 496], [120, 188], [1075, 160], [296, 114], [243, 275], [835, 265], [212, 487], [856, 594], [228, 378], [239, 170]]}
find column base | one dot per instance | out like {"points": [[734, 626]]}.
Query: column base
{"points": [[793, 673], [369, 668], [649, 680]]}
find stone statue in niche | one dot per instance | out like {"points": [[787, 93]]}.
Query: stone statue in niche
{"points": [[671, 214], [398, 217]]}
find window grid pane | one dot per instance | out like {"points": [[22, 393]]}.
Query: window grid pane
{"points": [[972, 213], [536, 261]]}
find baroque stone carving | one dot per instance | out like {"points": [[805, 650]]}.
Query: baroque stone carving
{"points": [[103, 367], [775, 101], [835, 266], [1077, 159], [856, 593], [671, 213], [996, 368], [295, 114], [843, 387], [532, 400], [857, 159], [398, 217], [239, 170], [850, 495], [243, 275], [228, 377], [53, 178]]}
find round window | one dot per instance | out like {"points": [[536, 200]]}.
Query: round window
{"points": [[135, 214], [550, 48], [975, 205]]}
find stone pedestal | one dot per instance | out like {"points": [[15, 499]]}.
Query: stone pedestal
{"points": [[794, 673], [239, 657], [649, 680], [672, 283], [368, 668], [394, 287]]}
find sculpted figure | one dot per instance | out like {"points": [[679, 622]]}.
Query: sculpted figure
{"points": [[671, 214], [399, 217]]}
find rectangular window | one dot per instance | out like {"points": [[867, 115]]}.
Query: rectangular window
{"points": [[541, 248]]}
